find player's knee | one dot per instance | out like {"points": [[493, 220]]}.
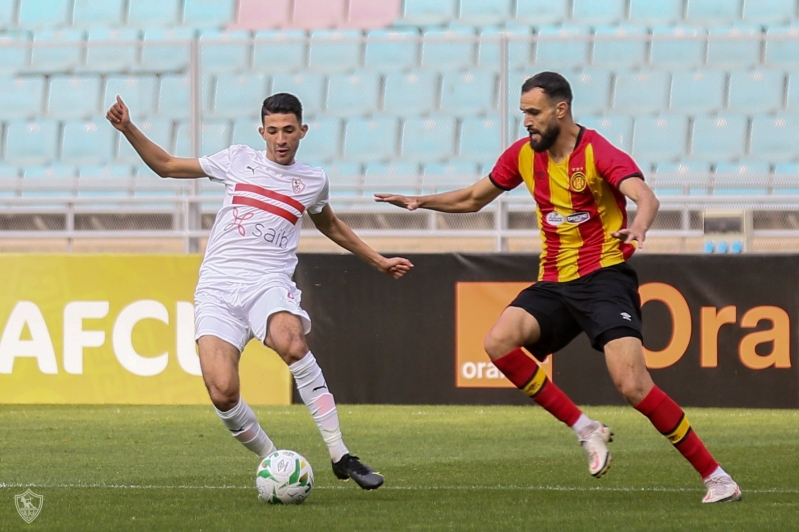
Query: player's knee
{"points": [[634, 389], [223, 396], [495, 346]]}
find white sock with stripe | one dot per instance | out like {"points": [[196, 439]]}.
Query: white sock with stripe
{"points": [[243, 425]]}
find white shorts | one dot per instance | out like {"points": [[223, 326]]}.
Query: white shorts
{"points": [[236, 312]]}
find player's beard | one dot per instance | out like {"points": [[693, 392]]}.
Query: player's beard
{"points": [[548, 138]]}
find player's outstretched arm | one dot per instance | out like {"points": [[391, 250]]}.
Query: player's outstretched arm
{"points": [[638, 191], [151, 153], [469, 199], [340, 233]]}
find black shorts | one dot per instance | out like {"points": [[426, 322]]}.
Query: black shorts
{"points": [[604, 304]]}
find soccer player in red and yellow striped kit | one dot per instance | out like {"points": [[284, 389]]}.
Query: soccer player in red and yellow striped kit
{"points": [[580, 183]]}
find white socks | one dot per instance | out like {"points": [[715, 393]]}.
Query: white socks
{"points": [[243, 425], [717, 473], [313, 390], [581, 424]]}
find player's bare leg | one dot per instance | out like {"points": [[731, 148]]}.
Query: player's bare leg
{"points": [[627, 367], [219, 361], [515, 328], [286, 336]]}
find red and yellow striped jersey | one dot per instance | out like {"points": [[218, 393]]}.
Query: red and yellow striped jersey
{"points": [[578, 202]]}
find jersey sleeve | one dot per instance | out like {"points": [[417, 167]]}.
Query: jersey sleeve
{"points": [[613, 164], [322, 199], [506, 174], [217, 166]]}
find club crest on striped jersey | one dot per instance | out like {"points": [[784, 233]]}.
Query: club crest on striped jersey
{"points": [[297, 185], [578, 182]]}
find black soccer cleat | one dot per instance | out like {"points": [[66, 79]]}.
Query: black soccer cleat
{"points": [[351, 467]]}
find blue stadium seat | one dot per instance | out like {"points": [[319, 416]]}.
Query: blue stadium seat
{"points": [[8, 173], [619, 46], [668, 51], [7, 8], [681, 178], [44, 13], [282, 51], [774, 138], [700, 91], [106, 171], [353, 94], [138, 93], [737, 47], [428, 139], [31, 142], [88, 13], [755, 91], [245, 131], [158, 130], [224, 51], [91, 179], [391, 49], [467, 93], [782, 46], [61, 58], [170, 56], [561, 47], [661, 12], [618, 129], [484, 12], [309, 87], [370, 139], [590, 91], [335, 50], [399, 177], [346, 179], [441, 177], [321, 143], [239, 95], [591, 12], [147, 184], [409, 94], [660, 138], [9, 179], [480, 140], [73, 96], [149, 13], [641, 92], [52, 177], [768, 11], [215, 137], [537, 12], [87, 142], [792, 92], [519, 47], [744, 178], [427, 12], [14, 58], [712, 11], [21, 97], [174, 96], [785, 179], [448, 49], [111, 57], [208, 13], [719, 138]]}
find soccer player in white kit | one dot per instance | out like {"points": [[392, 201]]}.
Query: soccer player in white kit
{"points": [[245, 289]]}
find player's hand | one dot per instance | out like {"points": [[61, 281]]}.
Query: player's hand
{"points": [[118, 115], [396, 267], [405, 202], [630, 235]]}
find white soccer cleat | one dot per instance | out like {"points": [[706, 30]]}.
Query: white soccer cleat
{"points": [[594, 440], [722, 489]]}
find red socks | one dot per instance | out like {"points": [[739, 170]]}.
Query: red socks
{"points": [[669, 419], [530, 378]]}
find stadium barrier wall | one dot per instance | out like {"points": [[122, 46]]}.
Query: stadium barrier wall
{"points": [[112, 329], [719, 331]]}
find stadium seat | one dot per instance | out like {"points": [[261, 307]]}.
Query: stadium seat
{"points": [[590, 91], [745, 178], [239, 95], [737, 47], [397, 178], [428, 139], [519, 47], [31, 142], [259, 15], [87, 142], [93, 178], [370, 139], [561, 47], [785, 179], [591, 12], [7, 13], [59, 180], [44, 13], [427, 12], [138, 93], [782, 46], [208, 13], [669, 51], [448, 49], [441, 177], [700, 91], [617, 129], [7, 173], [215, 137], [279, 51], [174, 96], [792, 92], [484, 12], [480, 140], [681, 178], [755, 91], [353, 94], [368, 14], [111, 57], [774, 138], [661, 12], [224, 51], [619, 46], [719, 138], [321, 143], [146, 184], [768, 12], [313, 14], [245, 131], [149, 13], [309, 87], [73, 96], [391, 49], [65, 56], [87, 13], [335, 50], [641, 92], [345, 179], [21, 97], [158, 130], [538, 12], [468, 93], [170, 56], [660, 138], [707, 12], [409, 94], [14, 58]]}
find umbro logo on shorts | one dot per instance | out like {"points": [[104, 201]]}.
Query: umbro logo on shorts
{"points": [[626, 316]]}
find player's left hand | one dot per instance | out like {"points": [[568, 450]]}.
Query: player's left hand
{"points": [[629, 235], [396, 267]]}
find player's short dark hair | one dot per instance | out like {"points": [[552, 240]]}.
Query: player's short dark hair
{"points": [[553, 84], [282, 103]]}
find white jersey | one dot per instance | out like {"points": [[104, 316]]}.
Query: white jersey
{"points": [[257, 230]]}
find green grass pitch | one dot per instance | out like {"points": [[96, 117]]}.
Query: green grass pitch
{"points": [[446, 468]]}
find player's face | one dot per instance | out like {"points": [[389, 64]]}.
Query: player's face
{"points": [[540, 119], [282, 133]]}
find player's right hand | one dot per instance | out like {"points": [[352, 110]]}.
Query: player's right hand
{"points": [[399, 200], [118, 115]]}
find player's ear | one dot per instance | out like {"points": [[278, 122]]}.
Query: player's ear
{"points": [[562, 109], [261, 131], [303, 130]]}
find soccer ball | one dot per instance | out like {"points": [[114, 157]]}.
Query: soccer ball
{"points": [[284, 477]]}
